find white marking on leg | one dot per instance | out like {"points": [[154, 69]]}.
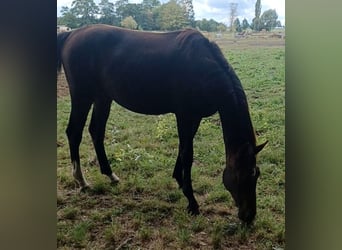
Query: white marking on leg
{"points": [[113, 178], [77, 173]]}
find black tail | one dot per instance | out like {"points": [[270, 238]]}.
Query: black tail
{"points": [[61, 37]]}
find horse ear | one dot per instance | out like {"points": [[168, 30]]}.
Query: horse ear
{"points": [[260, 147]]}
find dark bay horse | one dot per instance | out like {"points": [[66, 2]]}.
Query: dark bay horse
{"points": [[178, 72]]}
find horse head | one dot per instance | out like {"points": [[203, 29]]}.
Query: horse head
{"points": [[240, 177]]}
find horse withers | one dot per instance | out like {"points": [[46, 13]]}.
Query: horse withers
{"points": [[179, 72]]}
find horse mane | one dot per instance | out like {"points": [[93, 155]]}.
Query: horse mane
{"points": [[237, 90], [237, 93], [191, 42]]}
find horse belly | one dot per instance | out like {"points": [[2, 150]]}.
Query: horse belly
{"points": [[142, 100]]}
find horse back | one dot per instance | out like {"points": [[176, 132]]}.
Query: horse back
{"points": [[147, 72]]}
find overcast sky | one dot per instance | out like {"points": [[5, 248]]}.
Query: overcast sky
{"points": [[217, 9]]}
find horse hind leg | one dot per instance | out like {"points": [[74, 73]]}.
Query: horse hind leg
{"points": [[97, 129], [78, 117]]}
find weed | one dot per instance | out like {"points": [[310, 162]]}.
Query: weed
{"points": [[79, 233], [199, 224], [217, 234], [145, 233], [184, 235], [70, 213]]}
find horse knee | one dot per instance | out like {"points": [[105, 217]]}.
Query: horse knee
{"points": [[73, 135], [92, 130], [179, 178], [178, 173]]}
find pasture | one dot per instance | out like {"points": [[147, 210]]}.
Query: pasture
{"points": [[146, 210]]}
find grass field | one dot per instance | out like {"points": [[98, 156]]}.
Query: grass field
{"points": [[146, 210]]}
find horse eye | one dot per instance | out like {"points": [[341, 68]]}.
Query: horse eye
{"points": [[254, 172]]}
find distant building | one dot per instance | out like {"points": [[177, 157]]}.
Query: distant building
{"points": [[62, 28]]}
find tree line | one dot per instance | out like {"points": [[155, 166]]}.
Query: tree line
{"points": [[152, 15], [267, 21], [147, 15]]}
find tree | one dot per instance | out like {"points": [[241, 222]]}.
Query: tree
{"points": [[268, 19], [232, 15], [107, 12], [129, 23], [120, 6], [221, 27], [245, 24], [171, 16], [210, 25], [85, 10], [237, 25], [149, 9], [68, 18], [150, 4], [256, 20], [189, 11], [258, 8], [134, 10]]}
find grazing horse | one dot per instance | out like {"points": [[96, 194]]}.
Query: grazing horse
{"points": [[179, 72]]}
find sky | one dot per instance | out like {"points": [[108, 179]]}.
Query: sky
{"points": [[217, 9]]}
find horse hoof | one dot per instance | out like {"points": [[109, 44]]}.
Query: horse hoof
{"points": [[193, 211], [114, 179]]}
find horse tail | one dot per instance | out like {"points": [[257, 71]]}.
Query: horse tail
{"points": [[61, 37]]}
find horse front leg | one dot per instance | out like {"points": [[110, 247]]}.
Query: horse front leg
{"points": [[178, 171], [97, 129], [193, 207]]}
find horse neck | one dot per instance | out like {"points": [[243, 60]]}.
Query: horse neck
{"points": [[236, 125]]}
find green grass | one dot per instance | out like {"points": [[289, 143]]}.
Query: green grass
{"points": [[146, 209]]}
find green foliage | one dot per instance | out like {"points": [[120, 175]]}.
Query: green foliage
{"points": [[171, 16], [256, 24], [210, 25], [68, 18], [129, 23], [269, 19], [237, 25], [85, 10], [151, 15], [79, 233], [245, 24], [166, 127], [107, 12], [257, 8], [189, 11]]}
